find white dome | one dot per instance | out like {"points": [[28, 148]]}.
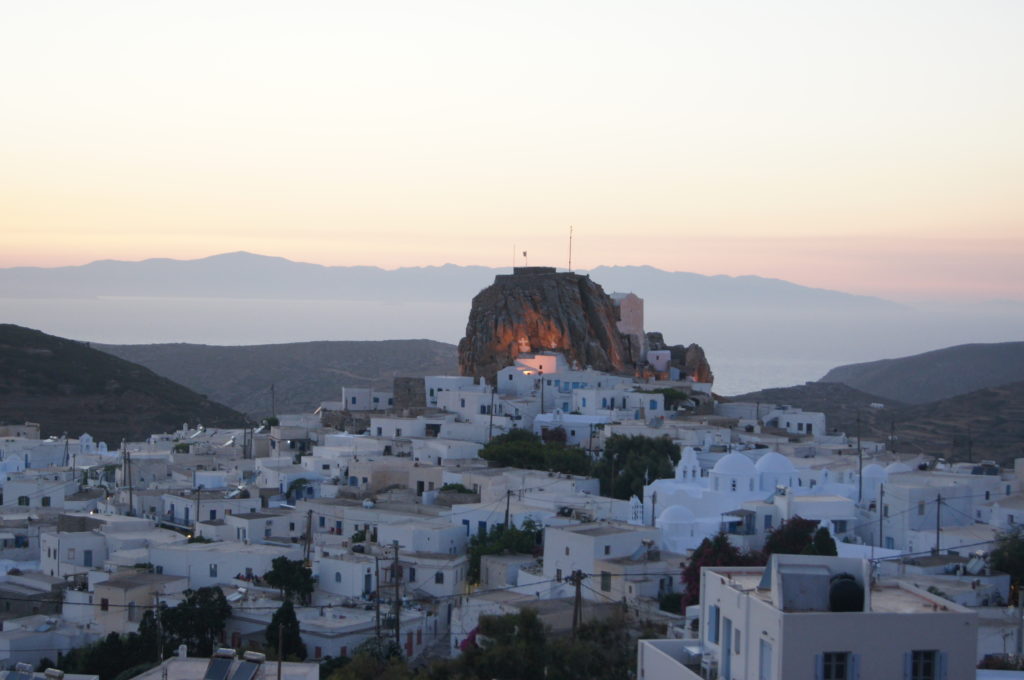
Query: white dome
{"points": [[734, 464], [896, 468], [775, 463], [873, 470], [676, 514]]}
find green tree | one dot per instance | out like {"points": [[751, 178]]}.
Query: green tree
{"points": [[502, 541], [1008, 556], [292, 578], [516, 448], [284, 626], [716, 551], [628, 461], [513, 646], [522, 449], [799, 536], [196, 622], [379, 658], [603, 650]]}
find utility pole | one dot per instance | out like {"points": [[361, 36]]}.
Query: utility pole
{"points": [[309, 535], [398, 598], [860, 464], [576, 578], [376, 598], [938, 522], [159, 629], [508, 501], [654, 504], [490, 420], [881, 514], [280, 648], [892, 435], [127, 469]]}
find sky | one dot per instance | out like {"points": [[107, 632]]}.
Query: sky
{"points": [[868, 146]]}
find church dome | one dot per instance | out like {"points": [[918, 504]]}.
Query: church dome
{"points": [[873, 470], [897, 467], [775, 463], [676, 514], [734, 464]]}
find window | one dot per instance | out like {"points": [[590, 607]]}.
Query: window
{"points": [[104, 605], [566, 550], [834, 666], [920, 507], [606, 581], [439, 577], [922, 665], [337, 577], [558, 574], [46, 501], [213, 570], [767, 522], [607, 550], [412, 574], [988, 495], [322, 520], [22, 500], [654, 405], [840, 526]]}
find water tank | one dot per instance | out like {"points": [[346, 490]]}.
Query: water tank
{"points": [[845, 594]]}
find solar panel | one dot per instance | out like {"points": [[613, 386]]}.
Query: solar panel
{"points": [[246, 671], [218, 669]]}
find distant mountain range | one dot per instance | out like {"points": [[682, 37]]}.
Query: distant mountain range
{"points": [[246, 275], [756, 332], [67, 386], [940, 374], [303, 374]]}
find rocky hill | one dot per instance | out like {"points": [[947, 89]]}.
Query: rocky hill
{"points": [[67, 386], [537, 309], [940, 374], [303, 373], [984, 424]]}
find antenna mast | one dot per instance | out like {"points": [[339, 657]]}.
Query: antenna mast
{"points": [[570, 247]]}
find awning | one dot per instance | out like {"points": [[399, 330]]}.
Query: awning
{"points": [[6, 536]]}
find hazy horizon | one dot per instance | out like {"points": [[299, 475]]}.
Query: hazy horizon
{"points": [[869, 147], [757, 332]]}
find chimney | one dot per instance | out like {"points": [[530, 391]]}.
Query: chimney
{"points": [[182, 651]]}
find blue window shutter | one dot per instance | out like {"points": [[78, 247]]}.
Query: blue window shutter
{"points": [[941, 664], [819, 667], [855, 667], [907, 660]]}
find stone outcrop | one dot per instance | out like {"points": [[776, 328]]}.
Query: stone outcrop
{"points": [[536, 309], [690, 360]]}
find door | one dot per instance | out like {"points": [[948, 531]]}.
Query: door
{"points": [[87, 558], [766, 661], [725, 665], [367, 584]]}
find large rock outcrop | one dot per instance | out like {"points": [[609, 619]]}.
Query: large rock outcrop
{"points": [[536, 309], [689, 359]]}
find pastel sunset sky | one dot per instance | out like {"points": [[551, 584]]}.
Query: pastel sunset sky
{"points": [[868, 146]]}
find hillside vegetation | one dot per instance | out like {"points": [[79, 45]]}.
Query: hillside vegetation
{"points": [[983, 424], [303, 373], [68, 386], [943, 373]]}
